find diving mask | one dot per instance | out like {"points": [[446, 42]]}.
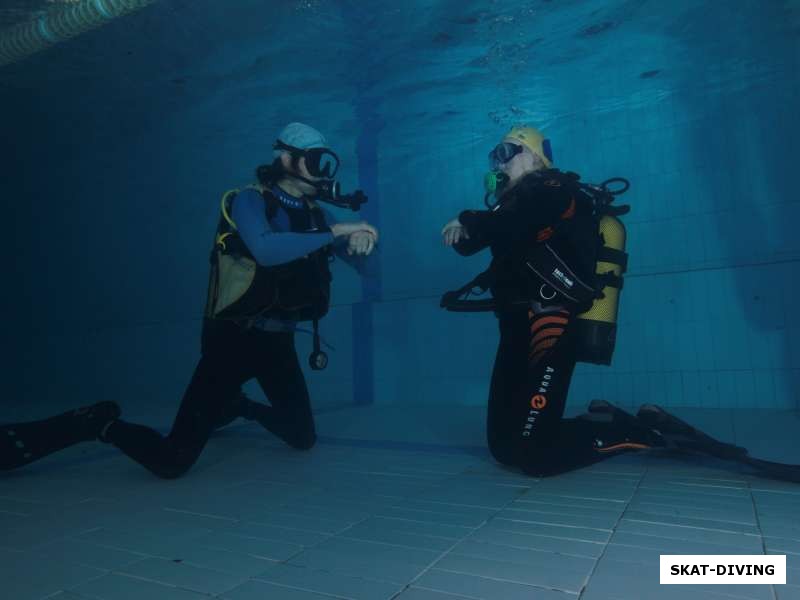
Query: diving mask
{"points": [[320, 162], [502, 153]]}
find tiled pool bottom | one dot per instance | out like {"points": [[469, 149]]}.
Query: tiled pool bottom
{"points": [[369, 516]]}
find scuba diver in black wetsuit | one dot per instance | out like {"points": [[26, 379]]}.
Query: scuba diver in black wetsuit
{"points": [[269, 270], [558, 258]]}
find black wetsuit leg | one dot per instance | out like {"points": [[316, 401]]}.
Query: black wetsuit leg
{"points": [[510, 365], [525, 424], [225, 364], [230, 357], [284, 385]]}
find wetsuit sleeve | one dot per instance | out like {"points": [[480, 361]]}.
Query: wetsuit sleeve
{"points": [[534, 211], [270, 247], [366, 266], [471, 245]]}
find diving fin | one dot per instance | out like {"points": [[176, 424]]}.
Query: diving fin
{"points": [[605, 411], [774, 470], [23, 443], [679, 434], [626, 429]]}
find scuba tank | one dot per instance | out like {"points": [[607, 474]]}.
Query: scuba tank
{"points": [[595, 327]]}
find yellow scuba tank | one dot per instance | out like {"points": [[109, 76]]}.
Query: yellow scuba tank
{"points": [[597, 327]]}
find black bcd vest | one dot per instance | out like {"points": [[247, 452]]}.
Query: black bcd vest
{"points": [[242, 290]]}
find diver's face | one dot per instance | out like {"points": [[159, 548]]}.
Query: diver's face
{"points": [[302, 171], [519, 165]]}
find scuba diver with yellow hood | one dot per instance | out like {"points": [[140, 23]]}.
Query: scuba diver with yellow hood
{"points": [[269, 271], [558, 259]]}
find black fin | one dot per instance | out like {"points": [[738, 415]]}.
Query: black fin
{"points": [[680, 434], [774, 470], [23, 443], [627, 425]]}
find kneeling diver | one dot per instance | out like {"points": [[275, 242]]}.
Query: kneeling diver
{"points": [[269, 270], [558, 259]]}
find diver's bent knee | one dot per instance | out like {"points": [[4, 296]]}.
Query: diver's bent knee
{"points": [[304, 442], [538, 471], [502, 454], [172, 470], [177, 463]]}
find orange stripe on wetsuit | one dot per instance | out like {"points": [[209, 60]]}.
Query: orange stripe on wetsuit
{"points": [[542, 321], [544, 339], [541, 348], [546, 330]]}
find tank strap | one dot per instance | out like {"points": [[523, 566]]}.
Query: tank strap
{"points": [[611, 255], [609, 279], [617, 211]]}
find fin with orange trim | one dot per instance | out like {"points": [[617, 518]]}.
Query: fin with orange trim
{"points": [[679, 434], [634, 435]]}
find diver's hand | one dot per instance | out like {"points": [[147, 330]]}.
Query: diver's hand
{"points": [[347, 229], [454, 232], [361, 243]]}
